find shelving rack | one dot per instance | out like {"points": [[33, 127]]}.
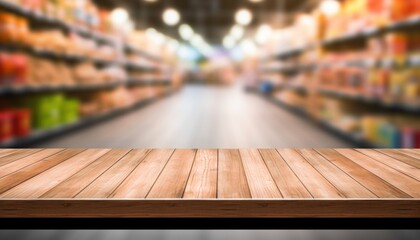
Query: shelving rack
{"points": [[392, 106], [101, 38]]}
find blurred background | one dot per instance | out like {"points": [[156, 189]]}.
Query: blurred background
{"points": [[207, 74]]}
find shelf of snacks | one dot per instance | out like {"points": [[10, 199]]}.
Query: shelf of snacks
{"points": [[43, 116]]}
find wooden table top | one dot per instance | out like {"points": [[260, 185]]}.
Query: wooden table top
{"points": [[209, 183]]}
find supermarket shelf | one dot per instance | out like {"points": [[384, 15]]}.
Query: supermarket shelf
{"points": [[18, 90], [85, 122], [130, 48], [293, 52], [400, 25], [150, 81], [8, 91], [299, 89], [354, 139], [142, 68], [52, 21], [290, 69], [391, 106]]}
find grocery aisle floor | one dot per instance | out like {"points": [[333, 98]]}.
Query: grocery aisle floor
{"points": [[202, 117]]}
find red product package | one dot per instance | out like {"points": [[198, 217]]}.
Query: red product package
{"points": [[21, 122], [6, 126]]}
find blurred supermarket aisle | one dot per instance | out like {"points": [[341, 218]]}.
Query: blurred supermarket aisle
{"points": [[203, 117]]}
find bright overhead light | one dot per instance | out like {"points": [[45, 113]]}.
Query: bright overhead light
{"points": [[186, 32], [237, 32], [228, 42], [243, 17], [248, 47], [173, 45], [171, 17], [197, 40], [330, 7], [150, 1], [263, 34], [119, 17], [256, 1]]}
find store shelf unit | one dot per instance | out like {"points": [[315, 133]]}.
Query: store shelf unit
{"points": [[354, 139], [55, 22], [130, 68], [42, 135]]}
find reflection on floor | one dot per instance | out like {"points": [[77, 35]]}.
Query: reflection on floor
{"points": [[203, 117]]}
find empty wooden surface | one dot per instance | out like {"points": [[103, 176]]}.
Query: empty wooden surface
{"points": [[209, 183]]}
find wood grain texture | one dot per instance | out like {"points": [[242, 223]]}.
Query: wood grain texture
{"points": [[374, 183], [392, 176], [141, 180], [26, 161], [396, 154], [395, 164], [411, 152], [43, 182], [106, 183], [286, 180], [15, 155], [202, 182], [173, 179], [5, 151], [222, 208], [16, 178], [261, 183], [316, 184], [343, 182], [76, 183], [209, 183], [232, 181]]}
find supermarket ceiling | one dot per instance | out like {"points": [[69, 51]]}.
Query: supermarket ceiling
{"points": [[210, 18]]}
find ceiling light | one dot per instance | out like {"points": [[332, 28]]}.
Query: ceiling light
{"points": [[248, 47], [228, 42], [256, 1], [119, 16], [243, 17], [151, 1], [186, 32], [197, 40], [171, 17], [330, 7], [263, 34], [237, 32]]}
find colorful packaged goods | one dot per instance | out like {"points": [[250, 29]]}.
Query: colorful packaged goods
{"points": [[13, 69], [21, 122], [6, 125]]}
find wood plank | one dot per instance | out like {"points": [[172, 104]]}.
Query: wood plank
{"points": [[21, 153], [415, 153], [374, 183], [168, 208], [73, 185], [316, 184], [261, 183], [105, 184], [392, 176], [40, 184], [395, 164], [343, 182], [7, 151], [401, 157], [14, 179], [173, 179], [231, 181], [26, 161], [289, 184], [202, 182], [141, 180]]}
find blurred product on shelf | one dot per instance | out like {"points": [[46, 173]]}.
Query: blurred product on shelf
{"points": [[51, 110], [14, 122]]}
